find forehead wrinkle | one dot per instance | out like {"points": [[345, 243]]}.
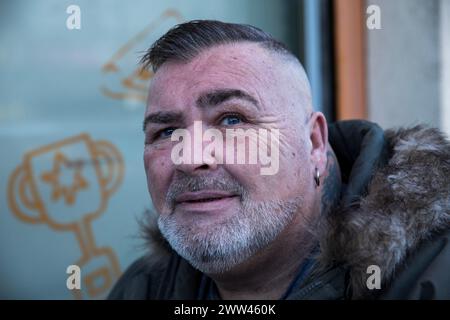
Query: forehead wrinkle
{"points": [[230, 54], [219, 96], [258, 71]]}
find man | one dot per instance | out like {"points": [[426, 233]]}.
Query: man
{"points": [[350, 212]]}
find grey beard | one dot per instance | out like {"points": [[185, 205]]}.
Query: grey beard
{"points": [[222, 246]]}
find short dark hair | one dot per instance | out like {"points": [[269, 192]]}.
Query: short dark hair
{"points": [[185, 41]]}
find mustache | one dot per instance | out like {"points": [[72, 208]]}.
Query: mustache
{"points": [[193, 183]]}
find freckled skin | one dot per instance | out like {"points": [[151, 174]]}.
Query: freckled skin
{"points": [[282, 92]]}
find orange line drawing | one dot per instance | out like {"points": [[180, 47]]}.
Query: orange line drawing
{"points": [[97, 169], [54, 178], [134, 85]]}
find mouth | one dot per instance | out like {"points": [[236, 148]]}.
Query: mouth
{"points": [[205, 200]]}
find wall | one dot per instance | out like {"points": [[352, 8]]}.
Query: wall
{"points": [[404, 64], [445, 69]]}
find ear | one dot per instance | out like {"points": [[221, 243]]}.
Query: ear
{"points": [[319, 141]]}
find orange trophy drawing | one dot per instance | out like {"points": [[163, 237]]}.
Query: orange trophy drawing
{"points": [[66, 185]]}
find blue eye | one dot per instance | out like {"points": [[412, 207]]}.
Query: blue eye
{"points": [[166, 133], [230, 120]]}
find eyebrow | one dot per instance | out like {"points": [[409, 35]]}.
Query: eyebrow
{"points": [[217, 97], [213, 98], [162, 117]]}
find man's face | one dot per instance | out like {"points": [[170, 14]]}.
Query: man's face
{"points": [[216, 215]]}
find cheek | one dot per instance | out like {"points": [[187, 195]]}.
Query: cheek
{"points": [[159, 168], [292, 179], [289, 180], [248, 175]]}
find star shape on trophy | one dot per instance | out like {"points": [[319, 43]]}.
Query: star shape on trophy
{"points": [[60, 188]]}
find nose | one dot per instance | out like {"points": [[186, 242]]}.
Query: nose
{"points": [[192, 168], [199, 158]]}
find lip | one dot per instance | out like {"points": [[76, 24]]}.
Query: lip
{"points": [[203, 195], [206, 202]]}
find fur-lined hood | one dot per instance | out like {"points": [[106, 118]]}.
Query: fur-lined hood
{"points": [[402, 199], [407, 201]]}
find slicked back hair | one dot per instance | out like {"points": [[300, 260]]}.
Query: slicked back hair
{"points": [[185, 41]]}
